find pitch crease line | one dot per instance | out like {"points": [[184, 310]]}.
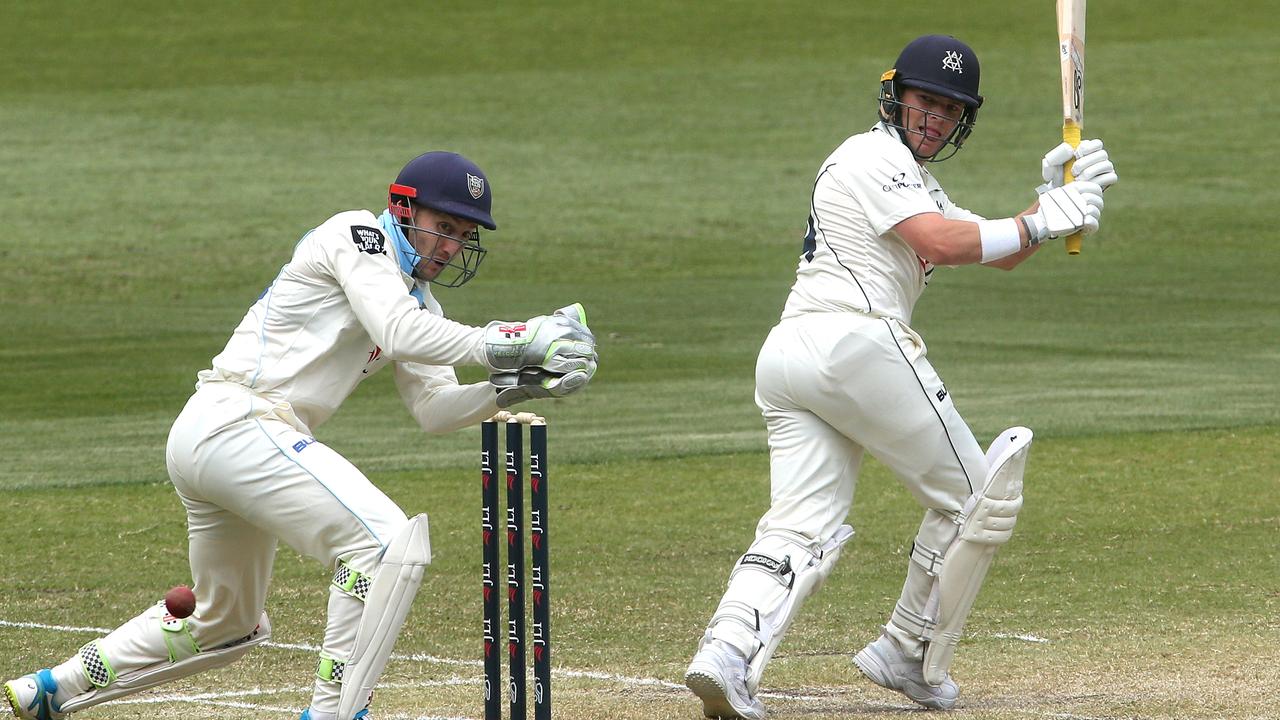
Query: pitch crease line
{"points": [[213, 698]]}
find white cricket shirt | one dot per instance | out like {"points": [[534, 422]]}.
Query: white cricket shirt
{"points": [[339, 311], [852, 259]]}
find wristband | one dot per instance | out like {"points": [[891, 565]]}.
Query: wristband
{"points": [[999, 238], [1033, 233]]}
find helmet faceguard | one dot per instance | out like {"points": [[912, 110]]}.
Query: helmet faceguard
{"points": [[447, 183], [458, 269], [940, 65]]}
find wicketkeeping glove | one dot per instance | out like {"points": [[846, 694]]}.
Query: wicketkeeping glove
{"points": [[1091, 165], [1075, 207], [560, 343], [532, 384]]}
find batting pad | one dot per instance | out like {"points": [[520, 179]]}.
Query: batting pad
{"points": [[767, 587], [988, 523], [163, 672], [388, 603]]}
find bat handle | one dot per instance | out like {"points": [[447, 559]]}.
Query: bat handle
{"points": [[1071, 135]]}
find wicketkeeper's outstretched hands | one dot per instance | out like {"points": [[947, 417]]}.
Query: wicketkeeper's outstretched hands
{"points": [[547, 356]]}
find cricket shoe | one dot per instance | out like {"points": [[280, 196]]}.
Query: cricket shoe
{"points": [[718, 677], [31, 697], [884, 663]]}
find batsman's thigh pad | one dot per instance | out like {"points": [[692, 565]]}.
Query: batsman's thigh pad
{"points": [[986, 523], [185, 659], [389, 598], [767, 587]]}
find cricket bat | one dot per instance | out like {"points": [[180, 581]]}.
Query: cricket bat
{"points": [[1071, 56]]}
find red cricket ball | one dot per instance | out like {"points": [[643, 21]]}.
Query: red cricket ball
{"points": [[180, 601]]}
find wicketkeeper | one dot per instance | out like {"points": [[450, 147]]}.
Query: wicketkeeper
{"points": [[843, 374], [355, 297]]}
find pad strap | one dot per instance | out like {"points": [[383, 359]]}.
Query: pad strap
{"points": [[927, 558], [920, 626], [177, 638], [352, 581], [330, 669], [96, 666]]}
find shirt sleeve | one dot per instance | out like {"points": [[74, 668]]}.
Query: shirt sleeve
{"points": [[438, 402], [887, 183], [355, 256], [952, 211]]}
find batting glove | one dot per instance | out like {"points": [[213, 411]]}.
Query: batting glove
{"points": [[1092, 164], [1075, 207]]}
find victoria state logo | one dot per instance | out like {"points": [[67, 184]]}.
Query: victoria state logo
{"points": [[475, 186], [952, 62]]}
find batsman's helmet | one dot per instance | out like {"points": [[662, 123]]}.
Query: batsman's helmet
{"points": [[449, 183], [938, 64]]}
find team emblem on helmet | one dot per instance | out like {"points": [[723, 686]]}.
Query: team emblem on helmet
{"points": [[475, 185], [952, 61]]}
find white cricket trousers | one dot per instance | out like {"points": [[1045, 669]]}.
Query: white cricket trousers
{"points": [[248, 478], [832, 386]]}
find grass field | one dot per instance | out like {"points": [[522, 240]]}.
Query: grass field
{"points": [[653, 160]]}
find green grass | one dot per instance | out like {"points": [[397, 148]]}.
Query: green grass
{"points": [[653, 161]]}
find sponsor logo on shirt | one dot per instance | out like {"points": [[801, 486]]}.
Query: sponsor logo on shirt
{"points": [[367, 239], [899, 182], [302, 444]]}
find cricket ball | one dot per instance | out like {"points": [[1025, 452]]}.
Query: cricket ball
{"points": [[180, 601]]}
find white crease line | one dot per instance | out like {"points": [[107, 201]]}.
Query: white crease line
{"points": [[1017, 636], [61, 628], [213, 698], [226, 698], [411, 657]]}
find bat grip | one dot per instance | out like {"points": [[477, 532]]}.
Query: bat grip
{"points": [[1071, 135]]}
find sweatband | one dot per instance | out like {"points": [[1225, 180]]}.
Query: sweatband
{"points": [[999, 238]]}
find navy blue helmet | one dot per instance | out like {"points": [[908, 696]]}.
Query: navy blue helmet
{"points": [[938, 64], [449, 183]]}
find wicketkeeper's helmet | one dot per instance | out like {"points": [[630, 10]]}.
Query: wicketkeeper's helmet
{"points": [[449, 183], [937, 64]]}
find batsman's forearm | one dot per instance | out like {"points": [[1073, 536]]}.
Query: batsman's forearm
{"points": [[1012, 261]]}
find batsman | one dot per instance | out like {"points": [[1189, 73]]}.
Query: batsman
{"points": [[843, 374], [355, 297]]}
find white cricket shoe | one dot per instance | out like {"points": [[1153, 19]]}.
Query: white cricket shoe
{"points": [[31, 697], [718, 675], [884, 663]]}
